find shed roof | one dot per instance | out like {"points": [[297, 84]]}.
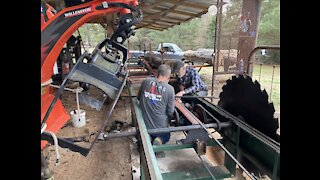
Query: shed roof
{"points": [[163, 14]]}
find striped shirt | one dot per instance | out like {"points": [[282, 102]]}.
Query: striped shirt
{"points": [[192, 81]]}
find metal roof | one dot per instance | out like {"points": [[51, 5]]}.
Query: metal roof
{"points": [[163, 14]]}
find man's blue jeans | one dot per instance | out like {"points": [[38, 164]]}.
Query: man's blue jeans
{"points": [[164, 137]]}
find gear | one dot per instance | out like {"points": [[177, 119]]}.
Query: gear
{"points": [[245, 100]]}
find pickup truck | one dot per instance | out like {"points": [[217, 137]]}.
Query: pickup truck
{"points": [[170, 52]]}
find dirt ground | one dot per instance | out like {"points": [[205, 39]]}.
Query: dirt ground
{"points": [[107, 160]]}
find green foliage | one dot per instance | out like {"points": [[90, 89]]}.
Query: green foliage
{"points": [[91, 34], [269, 27], [182, 35], [269, 79], [211, 33]]}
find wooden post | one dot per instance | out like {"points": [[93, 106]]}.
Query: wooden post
{"points": [[249, 31]]}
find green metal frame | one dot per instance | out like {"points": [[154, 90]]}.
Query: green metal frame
{"points": [[242, 143], [174, 147], [149, 168]]}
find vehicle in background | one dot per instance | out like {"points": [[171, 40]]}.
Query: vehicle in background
{"points": [[170, 51]]}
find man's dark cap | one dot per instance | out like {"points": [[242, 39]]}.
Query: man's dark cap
{"points": [[177, 65]]}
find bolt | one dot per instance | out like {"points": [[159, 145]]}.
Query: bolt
{"points": [[128, 20], [119, 39]]}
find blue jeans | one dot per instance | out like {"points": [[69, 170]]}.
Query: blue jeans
{"points": [[164, 137]]}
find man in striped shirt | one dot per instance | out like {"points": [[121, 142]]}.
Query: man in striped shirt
{"points": [[190, 80]]}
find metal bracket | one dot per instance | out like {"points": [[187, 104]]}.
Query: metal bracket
{"points": [[196, 135], [105, 4], [200, 147]]}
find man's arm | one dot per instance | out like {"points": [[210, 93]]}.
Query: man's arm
{"points": [[195, 81], [140, 90], [170, 106]]}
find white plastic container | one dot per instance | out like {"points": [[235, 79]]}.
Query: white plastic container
{"points": [[76, 120]]}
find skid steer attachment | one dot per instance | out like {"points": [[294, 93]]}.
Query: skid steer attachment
{"points": [[103, 70]]}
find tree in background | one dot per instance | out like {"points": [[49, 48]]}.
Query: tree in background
{"points": [[269, 29]]}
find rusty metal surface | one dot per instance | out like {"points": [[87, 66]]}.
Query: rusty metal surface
{"points": [[189, 116]]}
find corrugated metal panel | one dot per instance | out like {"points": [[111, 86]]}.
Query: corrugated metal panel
{"points": [[162, 14]]}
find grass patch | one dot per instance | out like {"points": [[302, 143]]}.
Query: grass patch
{"points": [[264, 74]]}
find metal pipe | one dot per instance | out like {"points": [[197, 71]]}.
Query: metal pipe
{"points": [[272, 82], [229, 72], [186, 97], [161, 52], [216, 54], [187, 128], [260, 71], [165, 130], [249, 71]]}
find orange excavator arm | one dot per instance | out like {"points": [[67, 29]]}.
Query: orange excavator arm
{"points": [[54, 34]]}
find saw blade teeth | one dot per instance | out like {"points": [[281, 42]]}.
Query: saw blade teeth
{"points": [[223, 88], [277, 120], [272, 107], [257, 84], [233, 77], [265, 94]]}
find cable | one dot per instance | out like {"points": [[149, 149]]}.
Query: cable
{"points": [[205, 165], [55, 140], [77, 98], [43, 127]]}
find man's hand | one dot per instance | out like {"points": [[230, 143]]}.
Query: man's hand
{"points": [[181, 87], [181, 93]]}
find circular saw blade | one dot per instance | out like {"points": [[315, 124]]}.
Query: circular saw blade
{"points": [[243, 98]]}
